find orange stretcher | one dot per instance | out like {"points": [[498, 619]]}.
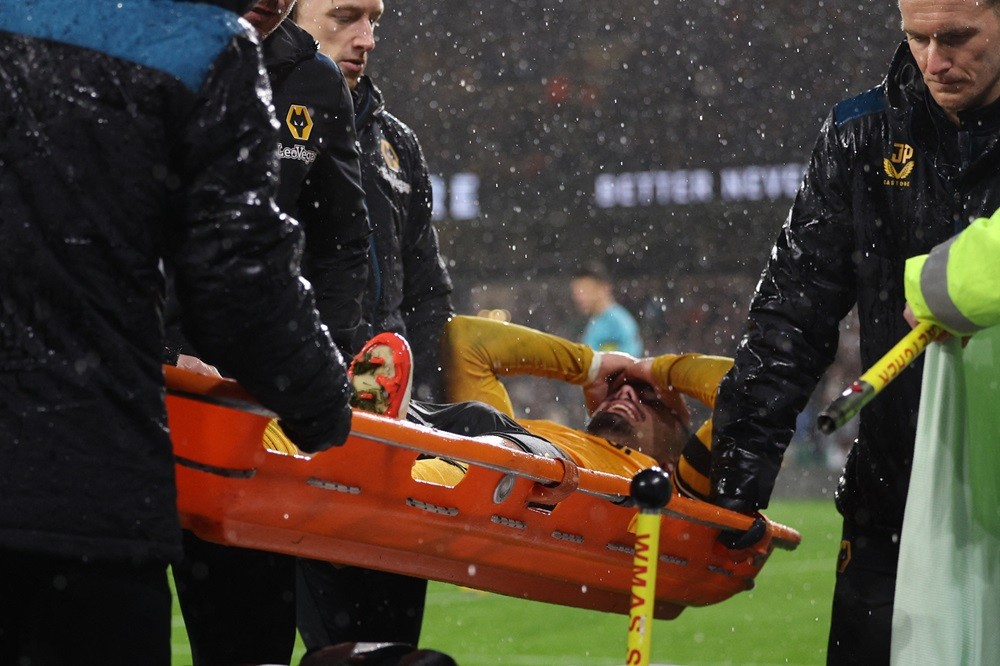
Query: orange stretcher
{"points": [[517, 524]]}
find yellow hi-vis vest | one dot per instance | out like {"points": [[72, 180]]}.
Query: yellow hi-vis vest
{"points": [[957, 285]]}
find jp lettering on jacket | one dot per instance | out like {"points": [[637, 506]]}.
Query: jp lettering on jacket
{"points": [[902, 152]]}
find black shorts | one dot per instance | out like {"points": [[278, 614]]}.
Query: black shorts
{"points": [[476, 419]]}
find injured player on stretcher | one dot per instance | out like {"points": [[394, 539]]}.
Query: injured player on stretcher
{"points": [[638, 416]]}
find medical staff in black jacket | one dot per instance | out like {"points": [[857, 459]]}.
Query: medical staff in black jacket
{"points": [[239, 604], [896, 170], [131, 134], [409, 289], [409, 292], [320, 182]]}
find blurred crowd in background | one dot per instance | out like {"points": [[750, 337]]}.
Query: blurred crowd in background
{"points": [[538, 99]]}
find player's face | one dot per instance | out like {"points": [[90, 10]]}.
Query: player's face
{"points": [[586, 293], [633, 415], [345, 30], [267, 15], [956, 44]]}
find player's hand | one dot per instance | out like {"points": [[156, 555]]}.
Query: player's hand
{"points": [[642, 370], [612, 364], [195, 364]]}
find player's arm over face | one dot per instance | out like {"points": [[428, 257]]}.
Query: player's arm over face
{"points": [[477, 351]]}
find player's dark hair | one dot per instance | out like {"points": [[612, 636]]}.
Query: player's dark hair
{"points": [[595, 270]]}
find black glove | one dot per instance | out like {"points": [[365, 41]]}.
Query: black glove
{"points": [[737, 504], [310, 437], [735, 540]]}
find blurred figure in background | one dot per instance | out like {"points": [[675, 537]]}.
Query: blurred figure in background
{"points": [[610, 327]]}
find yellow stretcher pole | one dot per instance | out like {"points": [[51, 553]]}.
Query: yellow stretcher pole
{"points": [[868, 385], [651, 489]]}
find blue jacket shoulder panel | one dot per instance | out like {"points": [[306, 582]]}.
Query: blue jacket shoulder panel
{"points": [[865, 104], [182, 39]]}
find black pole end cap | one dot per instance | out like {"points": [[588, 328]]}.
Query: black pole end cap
{"points": [[651, 488]]}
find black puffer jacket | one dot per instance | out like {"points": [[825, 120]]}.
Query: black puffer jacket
{"points": [[409, 290], [320, 183], [889, 178], [132, 134]]}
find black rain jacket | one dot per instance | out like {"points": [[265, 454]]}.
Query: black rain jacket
{"points": [[409, 290], [319, 184], [320, 181], [889, 178], [132, 134]]}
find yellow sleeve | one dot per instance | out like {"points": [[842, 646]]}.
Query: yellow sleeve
{"points": [[696, 375], [694, 468], [477, 351]]}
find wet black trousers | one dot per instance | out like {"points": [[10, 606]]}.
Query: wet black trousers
{"points": [[238, 604], [56, 611], [350, 604], [861, 622]]}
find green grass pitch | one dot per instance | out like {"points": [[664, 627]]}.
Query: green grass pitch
{"points": [[784, 620]]}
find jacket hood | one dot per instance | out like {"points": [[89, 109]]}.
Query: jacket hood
{"points": [[368, 102], [240, 7], [904, 85], [287, 45]]}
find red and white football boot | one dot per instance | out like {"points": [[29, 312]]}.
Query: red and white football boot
{"points": [[381, 375]]}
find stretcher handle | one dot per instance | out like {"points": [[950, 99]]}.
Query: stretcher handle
{"points": [[871, 383], [482, 451], [213, 390]]}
